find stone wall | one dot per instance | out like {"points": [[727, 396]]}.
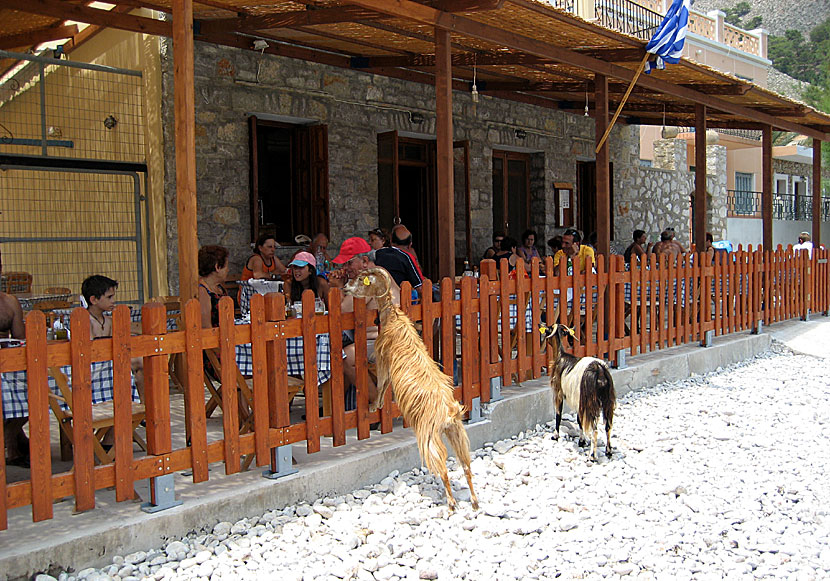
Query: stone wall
{"points": [[657, 197], [356, 107]]}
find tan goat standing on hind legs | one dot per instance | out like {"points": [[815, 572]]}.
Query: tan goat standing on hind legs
{"points": [[423, 392]]}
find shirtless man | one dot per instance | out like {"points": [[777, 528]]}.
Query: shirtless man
{"points": [[11, 325], [668, 245]]}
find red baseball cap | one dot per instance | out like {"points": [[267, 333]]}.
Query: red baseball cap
{"points": [[350, 248]]}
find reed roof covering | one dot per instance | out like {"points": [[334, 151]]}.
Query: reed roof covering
{"points": [[524, 50]]}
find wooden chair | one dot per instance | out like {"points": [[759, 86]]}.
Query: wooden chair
{"points": [[103, 420], [16, 282], [246, 395], [51, 305]]}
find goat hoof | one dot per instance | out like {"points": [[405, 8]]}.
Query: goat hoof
{"points": [[582, 443], [609, 453], [554, 436]]}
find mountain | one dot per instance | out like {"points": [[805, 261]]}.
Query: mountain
{"points": [[777, 16]]}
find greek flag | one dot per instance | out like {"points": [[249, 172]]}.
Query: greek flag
{"points": [[667, 42]]}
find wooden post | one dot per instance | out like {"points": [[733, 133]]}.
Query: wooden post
{"points": [[603, 196], [699, 226], [185, 148], [766, 187], [816, 192], [443, 130]]}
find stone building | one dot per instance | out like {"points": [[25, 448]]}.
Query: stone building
{"points": [[542, 149]]}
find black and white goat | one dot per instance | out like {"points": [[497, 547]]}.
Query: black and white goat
{"points": [[585, 383]]}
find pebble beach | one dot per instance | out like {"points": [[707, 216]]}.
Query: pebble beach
{"points": [[717, 476]]}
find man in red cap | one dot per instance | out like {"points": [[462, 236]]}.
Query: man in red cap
{"points": [[354, 256]]}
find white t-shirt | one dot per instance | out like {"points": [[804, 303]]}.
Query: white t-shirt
{"points": [[808, 246]]}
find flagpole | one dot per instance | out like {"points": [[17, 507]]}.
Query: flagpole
{"points": [[624, 99]]}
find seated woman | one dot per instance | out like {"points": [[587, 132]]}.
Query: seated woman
{"points": [[304, 276], [213, 269], [263, 263], [508, 253], [528, 250]]}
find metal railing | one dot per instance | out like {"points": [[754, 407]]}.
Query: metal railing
{"points": [[627, 17], [746, 204], [566, 5]]}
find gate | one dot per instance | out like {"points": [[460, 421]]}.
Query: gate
{"points": [[72, 163], [61, 225]]}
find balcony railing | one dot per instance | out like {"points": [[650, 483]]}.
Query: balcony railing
{"points": [[746, 204], [628, 17]]}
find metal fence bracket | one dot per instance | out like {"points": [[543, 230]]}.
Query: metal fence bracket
{"points": [[759, 328], [708, 336], [621, 364], [284, 463], [495, 389], [475, 411], [806, 316], [162, 494]]}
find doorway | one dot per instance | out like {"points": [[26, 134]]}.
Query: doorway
{"points": [[289, 180], [511, 192], [586, 184], [408, 193]]}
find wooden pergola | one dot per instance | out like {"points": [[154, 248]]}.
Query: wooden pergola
{"points": [[521, 50]]}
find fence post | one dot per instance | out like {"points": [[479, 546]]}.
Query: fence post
{"points": [[157, 409], [807, 284]]}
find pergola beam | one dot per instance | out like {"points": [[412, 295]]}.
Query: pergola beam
{"points": [[89, 15], [287, 19], [35, 37], [488, 59], [465, 26]]}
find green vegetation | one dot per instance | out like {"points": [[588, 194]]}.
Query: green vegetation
{"points": [[737, 12]]}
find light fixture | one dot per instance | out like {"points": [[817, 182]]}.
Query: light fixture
{"points": [[260, 44], [586, 99], [110, 122], [416, 118], [55, 131], [521, 133], [474, 89]]}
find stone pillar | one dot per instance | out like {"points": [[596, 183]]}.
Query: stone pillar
{"points": [[670, 154], [719, 18], [763, 40], [716, 190]]}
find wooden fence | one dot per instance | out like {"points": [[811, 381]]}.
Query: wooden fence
{"points": [[485, 328]]}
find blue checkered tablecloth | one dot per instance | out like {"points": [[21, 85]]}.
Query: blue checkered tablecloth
{"points": [[294, 352], [16, 392], [248, 288]]}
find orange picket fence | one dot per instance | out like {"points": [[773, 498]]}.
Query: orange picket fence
{"points": [[484, 331]]}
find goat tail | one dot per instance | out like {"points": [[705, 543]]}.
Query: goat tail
{"points": [[428, 434], [596, 394]]}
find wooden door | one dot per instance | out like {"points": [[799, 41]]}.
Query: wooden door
{"points": [[311, 166], [511, 192]]}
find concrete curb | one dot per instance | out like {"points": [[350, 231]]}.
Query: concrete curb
{"points": [[91, 539]]}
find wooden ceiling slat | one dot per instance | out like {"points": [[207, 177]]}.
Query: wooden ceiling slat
{"points": [[288, 19], [89, 15], [38, 36]]}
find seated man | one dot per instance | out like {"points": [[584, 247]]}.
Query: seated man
{"points": [[398, 260], [574, 251], [11, 325], [668, 245], [354, 256], [637, 248]]}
